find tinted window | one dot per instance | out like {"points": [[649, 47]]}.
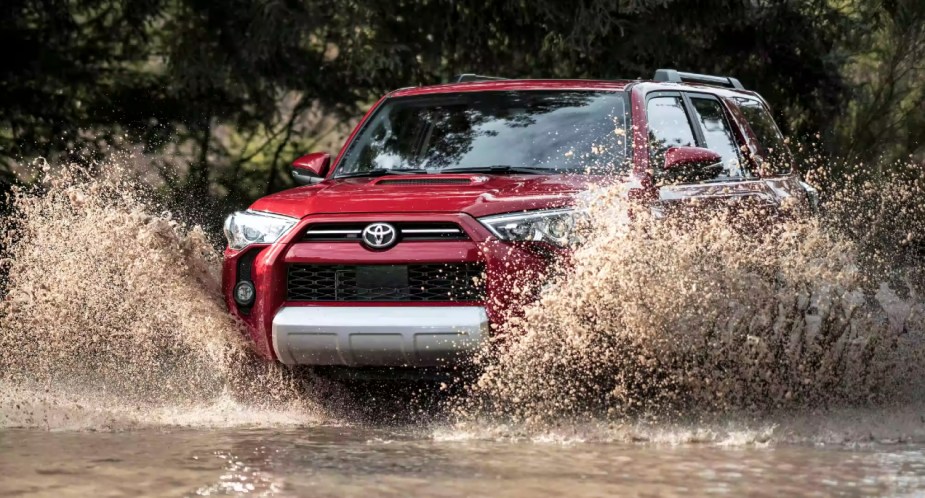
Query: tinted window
{"points": [[555, 130], [771, 144], [668, 126], [717, 133]]}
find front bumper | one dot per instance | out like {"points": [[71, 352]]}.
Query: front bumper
{"points": [[414, 336], [507, 268]]}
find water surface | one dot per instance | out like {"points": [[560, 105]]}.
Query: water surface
{"points": [[354, 461]]}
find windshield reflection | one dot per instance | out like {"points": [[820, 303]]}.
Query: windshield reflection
{"points": [[515, 131]]}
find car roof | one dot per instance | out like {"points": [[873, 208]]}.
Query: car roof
{"points": [[565, 84], [501, 85]]}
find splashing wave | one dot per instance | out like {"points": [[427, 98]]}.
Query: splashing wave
{"points": [[685, 329], [698, 316], [112, 315]]}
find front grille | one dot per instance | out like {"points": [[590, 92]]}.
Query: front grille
{"points": [[411, 283], [407, 230]]}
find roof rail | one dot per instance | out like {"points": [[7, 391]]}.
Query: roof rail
{"points": [[467, 77], [674, 76]]}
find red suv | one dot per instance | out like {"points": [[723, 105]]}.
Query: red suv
{"points": [[399, 251]]}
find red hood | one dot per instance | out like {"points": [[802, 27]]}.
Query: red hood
{"points": [[475, 194]]}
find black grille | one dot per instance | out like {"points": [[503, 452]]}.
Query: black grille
{"points": [[413, 283], [407, 230]]}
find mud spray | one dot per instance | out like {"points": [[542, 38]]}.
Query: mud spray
{"points": [[112, 317], [720, 326]]}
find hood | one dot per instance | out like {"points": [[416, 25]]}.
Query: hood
{"points": [[475, 194]]}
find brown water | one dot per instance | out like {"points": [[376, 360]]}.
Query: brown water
{"points": [[360, 461], [673, 357]]}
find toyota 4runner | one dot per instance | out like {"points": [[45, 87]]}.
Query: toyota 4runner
{"points": [[398, 252]]}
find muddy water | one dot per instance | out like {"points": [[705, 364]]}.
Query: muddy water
{"points": [[357, 461], [670, 358]]}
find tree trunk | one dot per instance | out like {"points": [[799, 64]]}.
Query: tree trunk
{"points": [[199, 171]]}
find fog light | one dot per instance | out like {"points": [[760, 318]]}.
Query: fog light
{"points": [[244, 293]]}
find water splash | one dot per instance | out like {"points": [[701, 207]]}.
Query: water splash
{"points": [[668, 331], [687, 319], [113, 315]]}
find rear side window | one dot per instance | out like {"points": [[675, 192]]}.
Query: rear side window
{"points": [[717, 133], [668, 127], [772, 147]]}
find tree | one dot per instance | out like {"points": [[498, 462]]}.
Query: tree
{"points": [[222, 94], [884, 118]]}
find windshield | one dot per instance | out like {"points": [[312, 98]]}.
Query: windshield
{"points": [[549, 131]]}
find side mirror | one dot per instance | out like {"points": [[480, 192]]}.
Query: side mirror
{"points": [[692, 164], [311, 168]]}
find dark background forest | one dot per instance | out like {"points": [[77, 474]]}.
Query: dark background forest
{"points": [[211, 100]]}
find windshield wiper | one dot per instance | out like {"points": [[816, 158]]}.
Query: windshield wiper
{"points": [[383, 172], [501, 168]]}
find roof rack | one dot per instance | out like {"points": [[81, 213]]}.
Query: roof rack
{"points": [[674, 76], [467, 77]]}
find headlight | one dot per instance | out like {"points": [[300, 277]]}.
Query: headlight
{"points": [[250, 227], [556, 226]]}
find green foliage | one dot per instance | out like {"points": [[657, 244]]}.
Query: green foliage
{"points": [[884, 119], [223, 94]]}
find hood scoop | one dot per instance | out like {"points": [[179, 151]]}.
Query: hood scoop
{"points": [[424, 181]]}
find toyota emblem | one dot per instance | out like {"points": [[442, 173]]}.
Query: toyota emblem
{"points": [[380, 236]]}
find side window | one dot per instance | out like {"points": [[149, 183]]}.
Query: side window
{"points": [[718, 134], [668, 127], [771, 144]]}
